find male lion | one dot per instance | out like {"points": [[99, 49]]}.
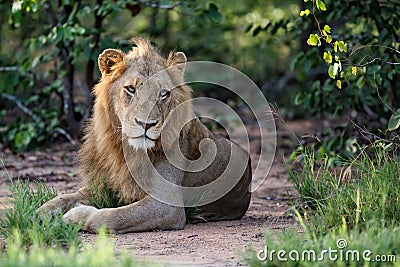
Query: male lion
{"points": [[136, 94]]}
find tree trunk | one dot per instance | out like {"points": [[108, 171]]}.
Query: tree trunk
{"points": [[68, 105]]}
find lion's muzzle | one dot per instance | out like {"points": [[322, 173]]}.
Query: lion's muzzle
{"points": [[142, 134]]}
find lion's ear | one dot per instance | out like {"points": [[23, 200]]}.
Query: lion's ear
{"points": [[177, 59], [109, 60], [176, 64]]}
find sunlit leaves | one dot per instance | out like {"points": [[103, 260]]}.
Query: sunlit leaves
{"points": [[18, 7], [314, 40], [328, 57], [320, 5], [340, 46], [354, 70], [339, 84], [305, 12]]}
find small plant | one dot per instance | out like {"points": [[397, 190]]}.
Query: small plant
{"points": [[102, 196], [31, 226], [194, 215]]}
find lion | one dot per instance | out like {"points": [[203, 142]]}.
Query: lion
{"points": [[129, 117]]}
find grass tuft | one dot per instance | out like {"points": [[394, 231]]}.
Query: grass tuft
{"points": [[101, 196], [31, 226]]}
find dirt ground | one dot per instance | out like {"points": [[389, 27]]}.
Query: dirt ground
{"points": [[203, 244]]}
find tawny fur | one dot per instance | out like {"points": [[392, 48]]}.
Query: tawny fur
{"points": [[102, 160], [101, 156]]}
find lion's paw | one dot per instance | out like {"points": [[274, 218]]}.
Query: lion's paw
{"points": [[79, 214]]}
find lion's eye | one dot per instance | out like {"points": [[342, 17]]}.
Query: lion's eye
{"points": [[165, 94], [130, 90]]}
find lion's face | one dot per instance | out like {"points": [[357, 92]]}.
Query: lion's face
{"points": [[143, 94], [142, 105]]}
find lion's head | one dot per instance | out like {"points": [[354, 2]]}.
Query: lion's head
{"points": [[140, 89]]}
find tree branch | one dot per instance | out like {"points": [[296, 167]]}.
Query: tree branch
{"points": [[21, 106]]}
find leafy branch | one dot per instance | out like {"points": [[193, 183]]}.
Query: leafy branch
{"points": [[336, 54]]}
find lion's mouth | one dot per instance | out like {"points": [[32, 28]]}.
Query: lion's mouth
{"points": [[144, 137], [140, 138], [142, 142]]}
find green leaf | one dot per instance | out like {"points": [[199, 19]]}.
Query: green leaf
{"points": [[327, 28], [299, 98], [314, 40], [328, 57], [329, 39], [320, 5], [341, 46], [331, 72], [299, 58], [35, 61], [22, 139], [214, 13], [360, 82], [394, 121]]}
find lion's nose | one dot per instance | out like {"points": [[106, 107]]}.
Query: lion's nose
{"points": [[146, 125]]}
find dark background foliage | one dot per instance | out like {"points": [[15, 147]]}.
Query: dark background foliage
{"points": [[49, 49]]}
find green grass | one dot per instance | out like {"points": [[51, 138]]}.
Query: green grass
{"points": [[361, 190], [32, 226], [101, 196], [382, 241], [28, 239], [358, 201], [102, 254]]}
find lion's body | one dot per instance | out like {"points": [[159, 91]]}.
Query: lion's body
{"points": [[103, 155]]}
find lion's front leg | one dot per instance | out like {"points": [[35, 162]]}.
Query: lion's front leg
{"points": [[147, 214], [62, 203]]}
